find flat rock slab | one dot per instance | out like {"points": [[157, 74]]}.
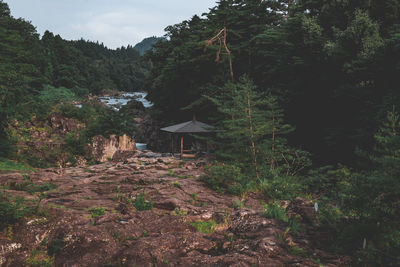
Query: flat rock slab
{"points": [[91, 220]]}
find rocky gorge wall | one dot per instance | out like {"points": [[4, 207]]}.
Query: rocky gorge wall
{"points": [[103, 149], [44, 143]]}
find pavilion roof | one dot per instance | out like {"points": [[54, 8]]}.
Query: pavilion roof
{"points": [[192, 126]]}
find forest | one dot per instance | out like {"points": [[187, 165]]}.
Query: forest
{"points": [[38, 73], [303, 93]]}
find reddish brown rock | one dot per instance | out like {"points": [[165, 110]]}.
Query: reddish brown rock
{"points": [[93, 221]]}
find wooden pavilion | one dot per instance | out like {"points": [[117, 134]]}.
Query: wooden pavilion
{"points": [[183, 129]]}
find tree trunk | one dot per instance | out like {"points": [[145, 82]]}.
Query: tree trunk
{"points": [[272, 163], [253, 147]]}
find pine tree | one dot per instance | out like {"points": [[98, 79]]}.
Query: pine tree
{"points": [[252, 131], [372, 198]]}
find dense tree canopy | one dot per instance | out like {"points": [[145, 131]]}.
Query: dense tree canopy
{"points": [[333, 63], [32, 67]]}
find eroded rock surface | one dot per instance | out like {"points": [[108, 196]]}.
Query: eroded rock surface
{"points": [[103, 149], [72, 235]]}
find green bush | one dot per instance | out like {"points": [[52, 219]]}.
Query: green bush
{"points": [[275, 211], [31, 187], [71, 111], [225, 177], [76, 143], [51, 94], [13, 210], [294, 224], [38, 258], [97, 212], [33, 161], [281, 187], [80, 92], [141, 203], [298, 251], [9, 165], [206, 227]]}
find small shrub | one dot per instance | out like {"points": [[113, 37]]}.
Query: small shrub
{"points": [[31, 187], [141, 203], [282, 188], [275, 211], [329, 215], [294, 225], [13, 210], [297, 251], [179, 212], [176, 184], [38, 258], [51, 94], [282, 238], [76, 143], [238, 204], [206, 227], [97, 212], [225, 178], [9, 165]]}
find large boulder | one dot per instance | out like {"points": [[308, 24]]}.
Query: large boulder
{"points": [[103, 149]]}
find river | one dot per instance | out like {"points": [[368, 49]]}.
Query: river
{"points": [[116, 102]]}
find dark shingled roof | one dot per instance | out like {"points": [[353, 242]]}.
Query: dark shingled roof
{"points": [[189, 127]]}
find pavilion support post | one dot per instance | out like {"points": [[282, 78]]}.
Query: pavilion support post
{"points": [[182, 147], [172, 144]]}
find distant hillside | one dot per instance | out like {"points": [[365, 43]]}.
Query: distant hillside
{"points": [[147, 43]]}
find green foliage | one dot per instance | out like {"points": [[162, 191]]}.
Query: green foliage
{"points": [[76, 144], [331, 63], [294, 224], [38, 258], [51, 95], [297, 251], [31, 187], [106, 122], [251, 131], [176, 184], [281, 187], [179, 212], [206, 227], [275, 211], [69, 110], [141, 203], [224, 177], [238, 204], [12, 210], [37, 73], [357, 206], [97, 212], [10, 165], [372, 197]]}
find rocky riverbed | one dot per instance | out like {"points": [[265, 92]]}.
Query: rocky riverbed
{"points": [[96, 216]]}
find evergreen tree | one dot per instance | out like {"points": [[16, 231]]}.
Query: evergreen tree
{"points": [[372, 199], [252, 131]]}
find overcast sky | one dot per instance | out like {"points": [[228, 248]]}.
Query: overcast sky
{"points": [[114, 22]]}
